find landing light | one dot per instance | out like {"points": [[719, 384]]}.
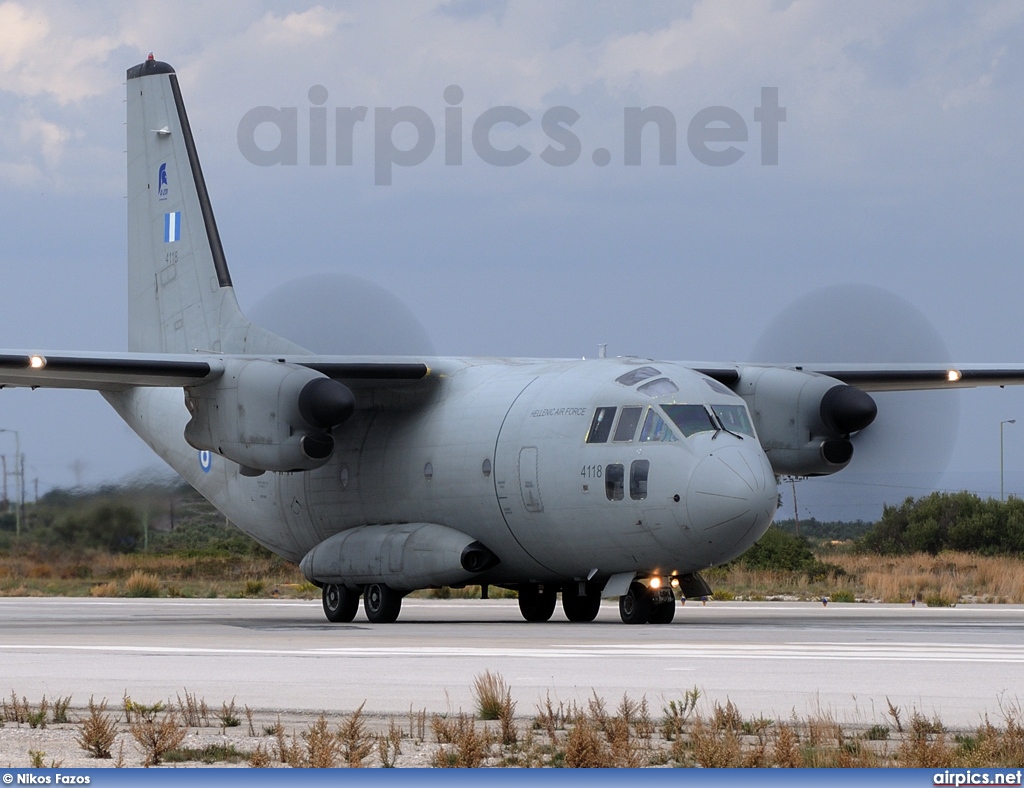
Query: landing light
{"points": [[675, 582], [953, 375], [655, 582], [36, 362]]}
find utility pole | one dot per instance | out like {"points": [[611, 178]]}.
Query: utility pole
{"points": [[4, 458], [18, 510], [796, 514], [22, 493]]}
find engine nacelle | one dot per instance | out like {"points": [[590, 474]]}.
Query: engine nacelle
{"points": [[268, 416], [804, 420]]}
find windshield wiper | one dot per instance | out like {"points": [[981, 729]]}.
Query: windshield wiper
{"points": [[720, 427]]}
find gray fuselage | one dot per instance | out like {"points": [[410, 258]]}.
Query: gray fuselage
{"points": [[505, 452]]}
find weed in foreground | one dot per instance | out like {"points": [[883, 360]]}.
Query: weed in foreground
{"points": [[461, 746], [97, 732], [259, 758], [490, 692], [677, 712], [59, 710], [194, 712], [156, 739], [228, 716], [355, 741], [16, 711], [389, 745], [322, 746]]}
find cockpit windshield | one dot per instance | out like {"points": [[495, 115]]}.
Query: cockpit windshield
{"points": [[656, 430], [734, 418], [690, 419]]}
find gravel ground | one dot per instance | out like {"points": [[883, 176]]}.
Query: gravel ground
{"points": [[60, 747]]}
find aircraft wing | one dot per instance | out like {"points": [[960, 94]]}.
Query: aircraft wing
{"points": [[120, 371], [889, 377]]}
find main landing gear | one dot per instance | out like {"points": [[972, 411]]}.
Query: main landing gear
{"points": [[580, 607], [537, 601], [340, 603], [381, 603], [642, 605]]}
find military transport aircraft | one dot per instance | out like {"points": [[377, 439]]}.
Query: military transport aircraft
{"points": [[607, 477]]}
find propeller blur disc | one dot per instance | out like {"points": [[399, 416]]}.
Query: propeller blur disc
{"points": [[911, 442], [343, 315]]}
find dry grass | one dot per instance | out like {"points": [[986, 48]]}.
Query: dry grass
{"points": [[105, 589], [941, 580], [103, 574], [142, 584], [944, 578], [493, 697]]}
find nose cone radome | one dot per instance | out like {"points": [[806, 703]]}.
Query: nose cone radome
{"points": [[731, 499]]}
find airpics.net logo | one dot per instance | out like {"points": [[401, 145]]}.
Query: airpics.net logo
{"points": [[269, 136]]}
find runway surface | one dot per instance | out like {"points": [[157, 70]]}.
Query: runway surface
{"points": [[771, 658]]}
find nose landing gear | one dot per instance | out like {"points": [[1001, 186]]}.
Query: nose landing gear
{"points": [[643, 605]]}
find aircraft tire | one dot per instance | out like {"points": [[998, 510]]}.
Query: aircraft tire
{"points": [[579, 608], [381, 603], [536, 602], [340, 603], [635, 605], [662, 613]]}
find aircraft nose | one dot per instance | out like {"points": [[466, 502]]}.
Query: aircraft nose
{"points": [[731, 497]]}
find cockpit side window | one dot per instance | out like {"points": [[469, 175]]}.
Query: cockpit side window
{"points": [[634, 376], [638, 472], [734, 418], [690, 419], [601, 426], [626, 428], [614, 482], [655, 429]]}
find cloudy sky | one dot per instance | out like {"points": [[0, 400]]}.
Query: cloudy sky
{"points": [[898, 187]]}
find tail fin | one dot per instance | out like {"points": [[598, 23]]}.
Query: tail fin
{"points": [[180, 297]]}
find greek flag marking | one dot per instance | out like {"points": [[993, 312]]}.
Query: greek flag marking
{"points": [[172, 227]]}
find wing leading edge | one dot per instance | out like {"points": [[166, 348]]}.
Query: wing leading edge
{"points": [[886, 377], [117, 372]]}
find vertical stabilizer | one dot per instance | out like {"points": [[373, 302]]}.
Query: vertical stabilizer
{"points": [[180, 297]]}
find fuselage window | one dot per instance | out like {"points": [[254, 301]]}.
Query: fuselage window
{"points": [[734, 418], [659, 388], [626, 428], [655, 429], [601, 426], [638, 471], [614, 481], [690, 419], [634, 376]]}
